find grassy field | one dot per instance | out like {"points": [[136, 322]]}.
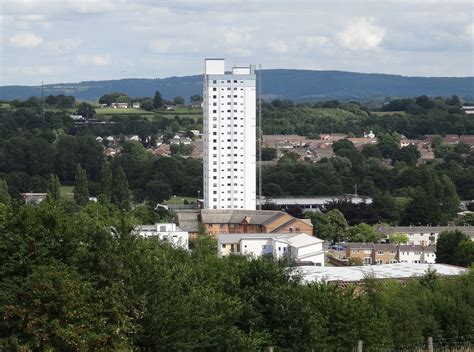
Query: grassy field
{"points": [[66, 191], [110, 111], [385, 113], [179, 200]]}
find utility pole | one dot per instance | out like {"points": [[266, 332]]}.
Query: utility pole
{"points": [[260, 137]]}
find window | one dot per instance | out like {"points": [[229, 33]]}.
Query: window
{"points": [[214, 81], [379, 252], [223, 246]]}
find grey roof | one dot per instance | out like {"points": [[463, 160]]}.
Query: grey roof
{"points": [[385, 247], [360, 245], [387, 230], [385, 271], [315, 200], [255, 217], [410, 248], [188, 221], [236, 237]]}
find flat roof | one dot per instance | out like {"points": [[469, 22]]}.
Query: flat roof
{"points": [[385, 271], [314, 200]]}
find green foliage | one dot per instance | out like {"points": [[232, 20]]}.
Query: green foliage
{"points": [[158, 101], [331, 226], [269, 154], [81, 186], [464, 253], [178, 100], [54, 187], [447, 244], [106, 181], [120, 194], [398, 238], [5, 197], [86, 110], [363, 233]]}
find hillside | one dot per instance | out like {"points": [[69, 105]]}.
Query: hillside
{"points": [[282, 83]]}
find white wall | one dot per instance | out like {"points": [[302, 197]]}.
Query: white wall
{"points": [[254, 246]]}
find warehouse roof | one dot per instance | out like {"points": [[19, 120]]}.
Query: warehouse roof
{"points": [[384, 271]]}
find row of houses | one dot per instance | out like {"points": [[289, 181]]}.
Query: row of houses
{"points": [[387, 253]]}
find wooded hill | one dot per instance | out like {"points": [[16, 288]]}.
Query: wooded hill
{"points": [[299, 85]]}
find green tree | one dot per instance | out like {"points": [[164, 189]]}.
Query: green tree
{"points": [[363, 233], [121, 195], [86, 110], [106, 180], [5, 197], [464, 253], [178, 100], [54, 187], [398, 238], [330, 226], [269, 154], [158, 102], [447, 244], [81, 186], [157, 191]]}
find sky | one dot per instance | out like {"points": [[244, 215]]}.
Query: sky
{"points": [[59, 41]]}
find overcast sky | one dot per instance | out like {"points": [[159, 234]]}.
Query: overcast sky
{"points": [[77, 40]]}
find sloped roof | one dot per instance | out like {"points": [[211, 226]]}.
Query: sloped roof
{"points": [[299, 239], [254, 217], [360, 245]]}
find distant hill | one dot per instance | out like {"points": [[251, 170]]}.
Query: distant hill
{"points": [[300, 85]]}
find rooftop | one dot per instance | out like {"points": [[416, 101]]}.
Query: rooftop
{"points": [[387, 230], [385, 271]]}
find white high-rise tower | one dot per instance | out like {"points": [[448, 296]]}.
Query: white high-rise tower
{"points": [[229, 137]]}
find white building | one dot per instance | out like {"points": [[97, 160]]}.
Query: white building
{"points": [[416, 254], [229, 136], [298, 247], [166, 232]]}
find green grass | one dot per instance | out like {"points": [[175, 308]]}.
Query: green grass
{"points": [[66, 191], [109, 111], [179, 200], [387, 113]]}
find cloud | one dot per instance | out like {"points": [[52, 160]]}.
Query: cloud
{"points": [[315, 41], [162, 46], [278, 46], [25, 40], [96, 60], [63, 46], [361, 34]]}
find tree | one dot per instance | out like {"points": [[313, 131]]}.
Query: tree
{"points": [[157, 191], [106, 180], [81, 187], [195, 98], [5, 197], [269, 154], [464, 253], [54, 187], [330, 226], [121, 195], [363, 233], [147, 105], [158, 102], [86, 110], [178, 100], [398, 238], [447, 244]]}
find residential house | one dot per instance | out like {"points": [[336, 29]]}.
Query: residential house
{"points": [[384, 253], [410, 254], [33, 198], [252, 221], [167, 232], [300, 248], [362, 251], [119, 105], [136, 105]]}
